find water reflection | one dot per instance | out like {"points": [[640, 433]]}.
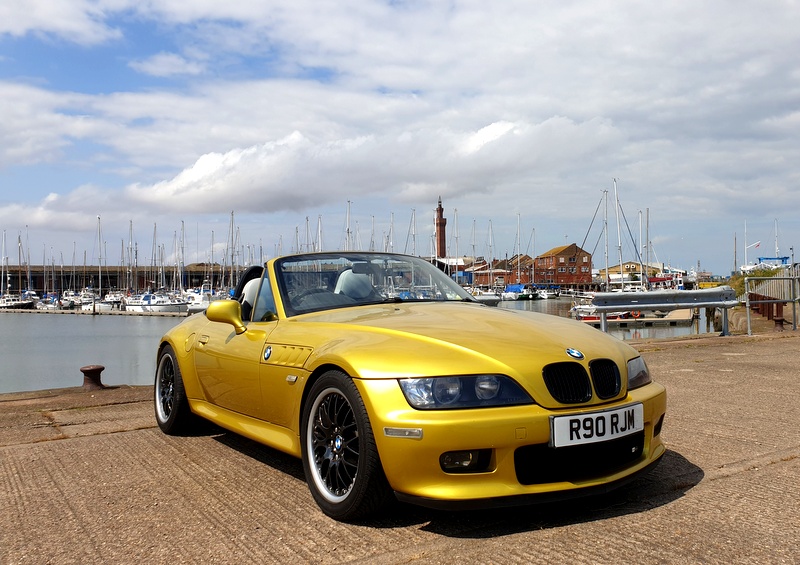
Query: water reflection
{"points": [[43, 351]]}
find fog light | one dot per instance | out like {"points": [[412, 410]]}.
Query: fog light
{"points": [[472, 461], [456, 460]]}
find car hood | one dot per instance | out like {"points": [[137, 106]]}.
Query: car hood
{"points": [[447, 338]]}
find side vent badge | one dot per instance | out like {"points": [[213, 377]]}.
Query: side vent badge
{"points": [[267, 352]]}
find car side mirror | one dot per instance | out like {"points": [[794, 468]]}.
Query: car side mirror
{"points": [[227, 312]]}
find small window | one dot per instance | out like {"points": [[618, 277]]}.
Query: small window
{"points": [[265, 305]]}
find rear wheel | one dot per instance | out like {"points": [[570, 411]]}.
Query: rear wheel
{"points": [[340, 459], [172, 407]]}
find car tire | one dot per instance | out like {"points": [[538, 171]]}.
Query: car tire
{"points": [[340, 459], [173, 414]]}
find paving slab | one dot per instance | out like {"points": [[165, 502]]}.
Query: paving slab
{"points": [[86, 477]]}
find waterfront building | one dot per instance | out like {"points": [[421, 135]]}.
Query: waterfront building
{"points": [[567, 265]]}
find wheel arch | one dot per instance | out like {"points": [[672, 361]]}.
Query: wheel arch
{"points": [[312, 378], [185, 361]]}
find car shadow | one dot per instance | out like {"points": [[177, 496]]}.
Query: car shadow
{"points": [[278, 460], [667, 482]]}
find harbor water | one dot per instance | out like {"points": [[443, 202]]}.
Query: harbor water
{"points": [[44, 351]]}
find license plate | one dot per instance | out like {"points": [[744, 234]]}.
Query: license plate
{"points": [[594, 427]]}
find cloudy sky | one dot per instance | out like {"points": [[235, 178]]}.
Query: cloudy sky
{"points": [[164, 117]]}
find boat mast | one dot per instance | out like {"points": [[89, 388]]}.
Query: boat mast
{"points": [[182, 263], [44, 272], [413, 228], [641, 252], [99, 263], [777, 251], [647, 243], [605, 236], [745, 243], [455, 236], [28, 254], [491, 256], [518, 261], [19, 264], [129, 259], [154, 260], [347, 234], [473, 238], [309, 243], [3, 267], [619, 237]]}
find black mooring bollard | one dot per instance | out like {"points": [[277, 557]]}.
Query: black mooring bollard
{"points": [[91, 377]]}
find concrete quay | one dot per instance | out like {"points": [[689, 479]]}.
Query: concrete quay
{"points": [[87, 478]]}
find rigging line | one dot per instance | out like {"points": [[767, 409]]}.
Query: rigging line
{"points": [[597, 243], [636, 249], [592, 222]]}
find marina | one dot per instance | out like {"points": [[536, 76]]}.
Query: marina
{"points": [[45, 349]]}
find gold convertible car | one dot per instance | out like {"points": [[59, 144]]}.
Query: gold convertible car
{"points": [[389, 379]]}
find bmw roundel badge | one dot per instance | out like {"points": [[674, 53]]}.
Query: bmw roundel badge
{"points": [[267, 352], [574, 353]]}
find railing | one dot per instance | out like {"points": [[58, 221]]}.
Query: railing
{"points": [[778, 291], [722, 297]]}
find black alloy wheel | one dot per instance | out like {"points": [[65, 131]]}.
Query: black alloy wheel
{"points": [[171, 405], [340, 459]]}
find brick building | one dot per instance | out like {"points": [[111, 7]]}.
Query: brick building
{"points": [[565, 265]]}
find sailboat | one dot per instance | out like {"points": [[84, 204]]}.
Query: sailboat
{"points": [[9, 300], [763, 262], [90, 300]]}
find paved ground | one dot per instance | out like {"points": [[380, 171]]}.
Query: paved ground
{"points": [[86, 478]]}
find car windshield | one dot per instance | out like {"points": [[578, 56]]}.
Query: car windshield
{"points": [[323, 281]]}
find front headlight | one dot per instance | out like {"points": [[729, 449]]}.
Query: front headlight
{"points": [[468, 391], [638, 373]]}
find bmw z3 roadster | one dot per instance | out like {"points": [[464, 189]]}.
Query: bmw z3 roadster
{"points": [[389, 380]]}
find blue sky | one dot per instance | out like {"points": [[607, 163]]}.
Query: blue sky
{"points": [[170, 115]]}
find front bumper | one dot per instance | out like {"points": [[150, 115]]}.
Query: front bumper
{"points": [[525, 499], [518, 439]]}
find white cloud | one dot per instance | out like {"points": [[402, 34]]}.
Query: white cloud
{"points": [[485, 135], [167, 64], [292, 108], [81, 21]]}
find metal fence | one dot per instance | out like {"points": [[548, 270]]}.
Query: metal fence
{"points": [[772, 290], [722, 297]]}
